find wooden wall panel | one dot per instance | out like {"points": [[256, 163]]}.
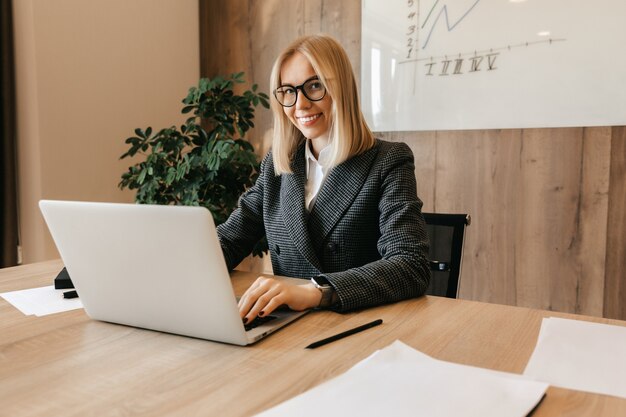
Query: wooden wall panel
{"points": [[593, 219], [477, 173], [224, 38], [546, 267], [615, 285], [540, 199]]}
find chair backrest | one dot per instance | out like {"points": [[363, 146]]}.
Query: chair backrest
{"points": [[447, 234]]}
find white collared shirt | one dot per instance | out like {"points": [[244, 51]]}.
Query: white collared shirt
{"points": [[316, 170]]}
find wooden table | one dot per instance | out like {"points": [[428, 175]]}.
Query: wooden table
{"points": [[66, 364]]}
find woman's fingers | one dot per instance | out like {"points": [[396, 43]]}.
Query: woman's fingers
{"points": [[260, 305], [272, 305], [267, 294], [256, 297], [252, 293]]}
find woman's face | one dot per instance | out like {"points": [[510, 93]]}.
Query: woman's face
{"points": [[312, 118]]}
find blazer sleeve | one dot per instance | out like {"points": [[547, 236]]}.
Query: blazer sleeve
{"points": [[245, 227], [403, 271]]}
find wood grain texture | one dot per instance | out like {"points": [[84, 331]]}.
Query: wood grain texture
{"points": [[547, 272], [547, 204], [224, 37], [470, 179], [66, 364], [615, 284], [592, 221]]}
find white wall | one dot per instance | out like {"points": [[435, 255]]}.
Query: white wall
{"points": [[88, 73]]}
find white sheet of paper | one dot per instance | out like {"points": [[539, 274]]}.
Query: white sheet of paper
{"points": [[580, 355], [41, 301], [400, 381]]}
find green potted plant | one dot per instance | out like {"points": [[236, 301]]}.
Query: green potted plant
{"points": [[207, 161]]}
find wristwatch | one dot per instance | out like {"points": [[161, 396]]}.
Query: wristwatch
{"points": [[328, 292]]}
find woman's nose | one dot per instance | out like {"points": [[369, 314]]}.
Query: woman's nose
{"points": [[302, 102]]}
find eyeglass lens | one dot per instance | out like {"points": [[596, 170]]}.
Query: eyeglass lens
{"points": [[287, 95]]}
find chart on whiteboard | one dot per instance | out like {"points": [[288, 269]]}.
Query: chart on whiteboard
{"points": [[492, 64]]}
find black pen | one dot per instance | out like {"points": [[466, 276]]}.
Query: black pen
{"points": [[344, 334]]}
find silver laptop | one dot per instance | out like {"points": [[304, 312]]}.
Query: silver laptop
{"points": [[154, 267]]}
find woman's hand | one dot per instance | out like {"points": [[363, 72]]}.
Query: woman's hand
{"points": [[267, 294]]}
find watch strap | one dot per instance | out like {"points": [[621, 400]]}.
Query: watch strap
{"points": [[328, 292]]}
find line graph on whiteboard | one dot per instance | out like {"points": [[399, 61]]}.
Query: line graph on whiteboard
{"points": [[443, 12], [425, 16], [477, 64]]}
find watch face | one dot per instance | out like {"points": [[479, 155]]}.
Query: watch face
{"points": [[322, 281]]}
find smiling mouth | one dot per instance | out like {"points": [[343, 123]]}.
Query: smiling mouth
{"points": [[309, 119]]}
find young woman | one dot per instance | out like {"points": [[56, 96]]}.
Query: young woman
{"points": [[338, 206]]}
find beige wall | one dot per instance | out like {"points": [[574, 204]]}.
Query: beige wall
{"points": [[89, 73]]}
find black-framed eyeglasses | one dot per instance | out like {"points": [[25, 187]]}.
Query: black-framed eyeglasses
{"points": [[313, 89]]}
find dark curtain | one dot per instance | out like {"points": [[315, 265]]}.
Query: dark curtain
{"points": [[8, 189]]}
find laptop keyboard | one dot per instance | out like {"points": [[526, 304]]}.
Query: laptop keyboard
{"points": [[258, 321]]}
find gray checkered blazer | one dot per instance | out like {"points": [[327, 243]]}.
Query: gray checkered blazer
{"points": [[365, 232]]}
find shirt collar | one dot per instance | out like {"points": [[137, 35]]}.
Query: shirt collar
{"points": [[308, 156]]}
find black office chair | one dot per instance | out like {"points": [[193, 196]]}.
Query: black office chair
{"points": [[446, 233]]}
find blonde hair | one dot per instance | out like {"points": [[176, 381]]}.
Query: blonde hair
{"points": [[349, 134]]}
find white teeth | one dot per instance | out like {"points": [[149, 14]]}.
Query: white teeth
{"points": [[308, 118]]}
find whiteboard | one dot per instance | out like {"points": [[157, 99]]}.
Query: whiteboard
{"points": [[489, 64]]}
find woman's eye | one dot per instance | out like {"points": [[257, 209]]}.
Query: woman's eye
{"points": [[289, 90], [315, 85]]}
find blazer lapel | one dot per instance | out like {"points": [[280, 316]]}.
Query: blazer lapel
{"points": [[292, 207], [343, 184]]}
